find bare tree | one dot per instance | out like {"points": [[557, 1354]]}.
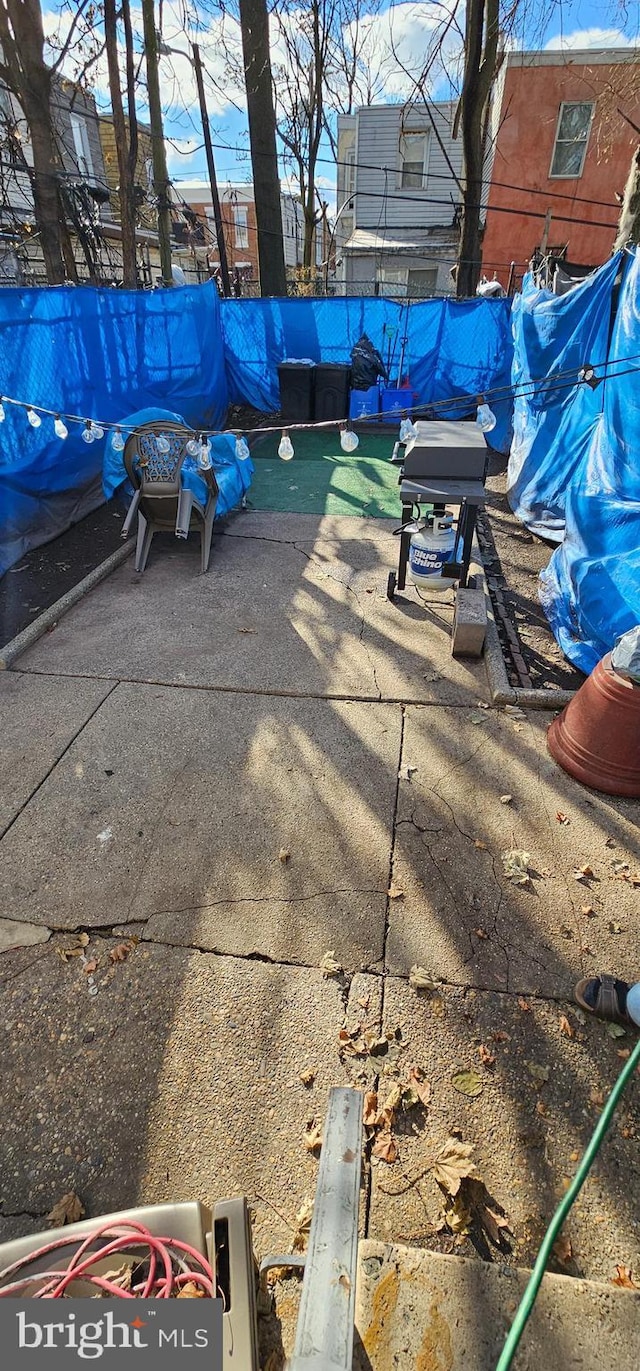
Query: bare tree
{"points": [[254, 24], [126, 132], [480, 65]]}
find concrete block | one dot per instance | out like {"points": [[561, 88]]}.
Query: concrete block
{"points": [[469, 624]]}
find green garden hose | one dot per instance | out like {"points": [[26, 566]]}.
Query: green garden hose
{"points": [[528, 1299]]}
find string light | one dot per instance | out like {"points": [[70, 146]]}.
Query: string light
{"points": [[87, 432], [117, 441], [34, 419], [285, 447], [242, 449], [98, 432], [2, 413], [60, 428], [485, 418], [408, 430], [193, 447], [588, 375], [204, 459], [163, 445], [348, 440]]}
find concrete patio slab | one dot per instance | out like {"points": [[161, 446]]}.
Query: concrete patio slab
{"points": [[177, 804], [533, 1114], [423, 1310], [180, 1079], [13, 933], [40, 718], [461, 917], [273, 614]]}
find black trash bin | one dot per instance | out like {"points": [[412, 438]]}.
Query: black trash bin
{"points": [[332, 390], [296, 391]]}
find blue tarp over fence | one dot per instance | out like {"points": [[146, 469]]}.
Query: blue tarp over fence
{"points": [[103, 354]]}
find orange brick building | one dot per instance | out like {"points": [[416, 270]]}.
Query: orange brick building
{"points": [[559, 146]]}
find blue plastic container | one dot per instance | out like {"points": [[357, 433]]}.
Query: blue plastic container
{"points": [[395, 403], [364, 404]]}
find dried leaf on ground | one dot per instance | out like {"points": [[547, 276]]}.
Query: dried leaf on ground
{"points": [[506, 799], [562, 818], [457, 1217], [524, 1005], [370, 1111], [191, 1291], [588, 910], [566, 1026], [452, 1164], [484, 1211], [120, 1276], [76, 948], [624, 1278], [302, 1226], [562, 1249], [481, 847], [69, 1209], [515, 864], [615, 1030], [122, 950], [395, 892], [329, 966], [352, 1044], [584, 873], [387, 1110], [308, 1076], [514, 712], [468, 1083], [90, 966], [284, 855], [486, 1057], [417, 1083], [539, 1073], [481, 933], [596, 1097], [419, 979], [385, 1148], [313, 1137]]}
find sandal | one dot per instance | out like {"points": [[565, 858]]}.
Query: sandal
{"points": [[609, 1000]]}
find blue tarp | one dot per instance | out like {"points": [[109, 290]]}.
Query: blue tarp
{"points": [[553, 428], [233, 476], [452, 347], [591, 589], [100, 353]]}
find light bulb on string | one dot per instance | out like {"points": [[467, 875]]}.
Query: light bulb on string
{"points": [[2, 413], [407, 431], [485, 418], [204, 459], [60, 428], [193, 447], [285, 447], [98, 432], [87, 432], [34, 419], [348, 440], [242, 449], [163, 445], [117, 441]]}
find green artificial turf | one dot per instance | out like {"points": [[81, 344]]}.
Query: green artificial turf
{"points": [[322, 479]]}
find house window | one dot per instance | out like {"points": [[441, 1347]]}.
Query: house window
{"points": [[391, 281], [349, 172], [421, 282], [241, 227], [413, 157], [82, 149], [572, 136]]}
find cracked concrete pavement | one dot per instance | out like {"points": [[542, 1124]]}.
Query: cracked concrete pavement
{"points": [[232, 769]]}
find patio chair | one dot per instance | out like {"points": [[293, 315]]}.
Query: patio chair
{"points": [[160, 500]]}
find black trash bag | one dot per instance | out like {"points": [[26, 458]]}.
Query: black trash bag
{"points": [[366, 365]]}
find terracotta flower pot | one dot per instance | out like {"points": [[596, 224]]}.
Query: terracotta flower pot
{"points": [[597, 736]]}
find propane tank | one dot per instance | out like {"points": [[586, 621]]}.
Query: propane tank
{"points": [[429, 549]]}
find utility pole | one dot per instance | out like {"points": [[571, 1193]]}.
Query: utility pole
{"points": [[254, 25], [158, 151], [215, 198]]}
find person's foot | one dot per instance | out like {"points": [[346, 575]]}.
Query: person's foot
{"points": [[605, 997]]}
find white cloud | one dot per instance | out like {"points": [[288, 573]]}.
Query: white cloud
{"points": [[398, 42], [181, 155], [590, 38]]}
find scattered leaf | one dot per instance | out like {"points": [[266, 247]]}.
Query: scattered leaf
{"points": [[467, 1083], [387, 1111], [562, 1249], [416, 1079], [395, 892], [308, 1076], [596, 1097], [623, 1052], [329, 966], [284, 855], [588, 910], [524, 1004], [364, 1001], [313, 1137], [566, 1026], [481, 933], [615, 1030], [506, 799], [385, 1148], [515, 864], [191, 1291], [68, 1210], [419, 979], [302, 1226], [624, 1278], [539, 1073], [370, 1112], [484, 1210], [451, 1164], [120, 1276], [614, 927], [377, 1047], [121, 951], [352, 1044], [457, 1217], [83, 939], [90, 966], [562, 818], [486, 1057], [482, 847], [583, 873], [514, 712]]}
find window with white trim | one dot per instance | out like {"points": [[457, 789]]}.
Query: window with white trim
{"points": [[572, 137], [240, 219], [414, 149], [82, 148]]}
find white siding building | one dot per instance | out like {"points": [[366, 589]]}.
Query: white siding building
{"points": [[398, 200]]}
